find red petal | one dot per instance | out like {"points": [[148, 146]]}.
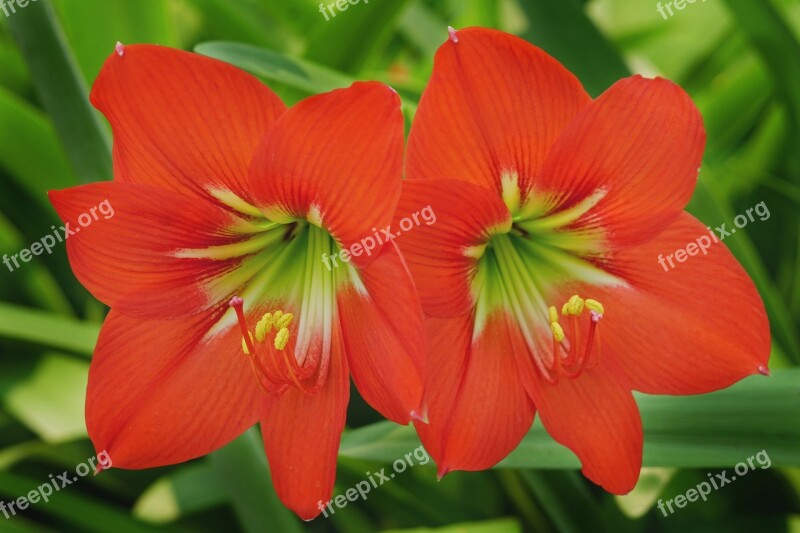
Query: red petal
{"points": [[494, 103], [641, 142], [165, 392], [183, 121], [479, 410], [384, 335], [464, 216], [340, 152], [696, 328], [597, 418], [125, 254], [302, 434]]}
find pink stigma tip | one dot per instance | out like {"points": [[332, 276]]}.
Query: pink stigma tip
{"points": [[236, 302], [764, 371], [595, 316], [120, 48], [452, 33]]}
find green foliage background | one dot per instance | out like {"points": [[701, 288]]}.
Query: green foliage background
{"points": [[739, 60]]}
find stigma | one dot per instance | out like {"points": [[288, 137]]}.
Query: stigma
{"points": [[569, 355]]}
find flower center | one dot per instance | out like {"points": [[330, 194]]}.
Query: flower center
{"points": [[278, 268], [541, 257]]}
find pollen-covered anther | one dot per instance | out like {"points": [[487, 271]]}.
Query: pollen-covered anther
{"points": [[284, 321], [594, 305], [574, 305], [281, 339], [264, 327], [558, 331]]}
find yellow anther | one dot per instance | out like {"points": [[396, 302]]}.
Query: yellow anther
{"points": [[244, 344], [281, 339], [277, 315], [263, 327], [575, 305], [594, 305], [284, 321], [553, 314], [558, 331], [565, 309]]}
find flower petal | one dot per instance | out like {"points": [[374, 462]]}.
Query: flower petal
{"points": [[302, 433], [127, 242], [336, 160], [182, 121], [494, 104], [384, 335], [439, 254], [597, 418], [639, 147], [479, 410], [165, 392], [695, 328]]}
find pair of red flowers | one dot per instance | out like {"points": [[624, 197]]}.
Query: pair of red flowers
{"points": [[537, 289]]}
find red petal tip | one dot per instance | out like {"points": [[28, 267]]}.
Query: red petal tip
{"points": [[443, 471], [764, 371], [452, 33], [420, 415]]}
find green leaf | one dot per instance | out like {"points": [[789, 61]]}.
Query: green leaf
{"points": [[563, 30], [501, 525], [241, 470], [62, 90], [711, 430], [190, 489], [51, 401], [81, 512], [775, 43], [300, 74], [46, 329], [31, 152], [296, 73], [360, 31]]}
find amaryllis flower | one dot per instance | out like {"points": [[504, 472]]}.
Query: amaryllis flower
{"points": [[541, 277], [197, 229]]}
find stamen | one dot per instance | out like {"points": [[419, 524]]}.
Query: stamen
{"points": [[263, 327], [553, 314], [594, 305], [281, 339], [575, 360]]}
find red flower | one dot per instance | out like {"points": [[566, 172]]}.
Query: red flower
{"points": [[552, 211], [195, 224]]}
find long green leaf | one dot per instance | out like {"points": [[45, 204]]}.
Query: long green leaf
{"points": [[47, 329], [712, 430], [62, 90], [562, 29], [241, 469], [82, 513], [297, 73]]}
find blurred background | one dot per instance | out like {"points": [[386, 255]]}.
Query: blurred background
{"points": [[739, 60]]}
